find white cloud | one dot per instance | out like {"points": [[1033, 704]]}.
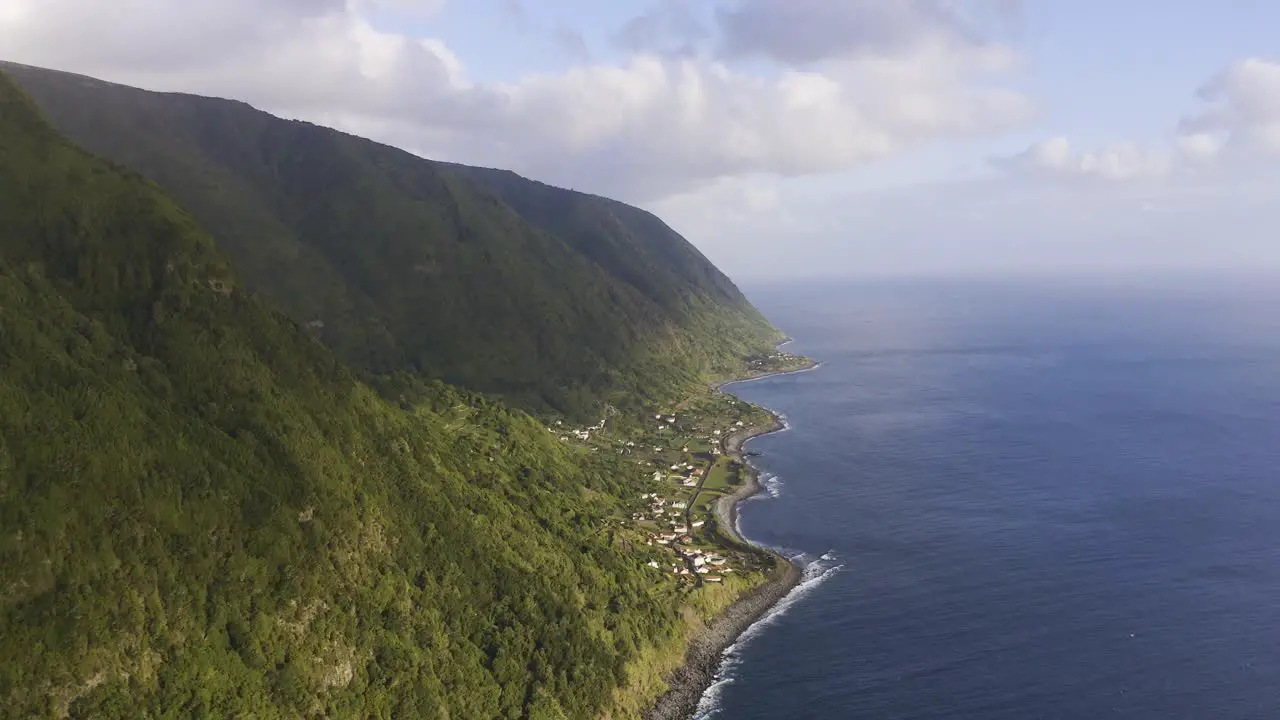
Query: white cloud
{"points": [[671, 27], [743, 139], [1244, 107], [645, 126], [1238, 130], [808, 31], [1199, 146], [1206, 199], [1055, 158]]}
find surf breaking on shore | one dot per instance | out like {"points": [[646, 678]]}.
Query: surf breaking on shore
{"points": [[710, 659], [815, 572]]}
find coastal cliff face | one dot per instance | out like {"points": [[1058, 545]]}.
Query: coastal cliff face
{"points": [[208, 513], [552, 300]]}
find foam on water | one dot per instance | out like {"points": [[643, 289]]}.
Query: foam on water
{"points": [[815, 573]]}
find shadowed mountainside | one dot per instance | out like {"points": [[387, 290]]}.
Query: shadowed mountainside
{"points": [[552, 299]]}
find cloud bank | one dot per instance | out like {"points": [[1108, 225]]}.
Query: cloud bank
{"points": [[647, 124], [744, 123], [1236, 131]]}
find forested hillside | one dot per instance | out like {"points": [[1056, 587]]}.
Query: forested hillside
{"points": [[553, 300], [203, 513]]}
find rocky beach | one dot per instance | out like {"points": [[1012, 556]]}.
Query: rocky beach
{"points": [[703, 657]]}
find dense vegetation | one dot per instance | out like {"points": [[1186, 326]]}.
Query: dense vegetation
{"points": [[553, 300], [203, 513]]}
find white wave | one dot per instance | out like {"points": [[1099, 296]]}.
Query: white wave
{"points": [[770, 487], [814, 574]]}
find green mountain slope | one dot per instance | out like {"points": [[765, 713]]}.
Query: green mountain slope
{"points": [[204, 514], [551, 299]]}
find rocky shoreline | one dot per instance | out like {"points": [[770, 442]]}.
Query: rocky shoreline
{"points": [[702, 659], [726, 508]]}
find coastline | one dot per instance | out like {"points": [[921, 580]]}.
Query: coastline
{"points": [[702, 659]]}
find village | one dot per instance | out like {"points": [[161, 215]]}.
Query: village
{"points": [[690, 453]]}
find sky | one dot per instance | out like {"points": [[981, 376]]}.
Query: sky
{"points": [[784, 138]]}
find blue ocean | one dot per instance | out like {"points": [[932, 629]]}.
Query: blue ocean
{"points": [[1025, 501]]}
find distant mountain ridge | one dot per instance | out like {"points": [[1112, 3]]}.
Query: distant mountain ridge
{"points": [[552, 299]]}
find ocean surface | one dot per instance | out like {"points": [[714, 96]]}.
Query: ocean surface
{"points": [[1023, 501]]}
